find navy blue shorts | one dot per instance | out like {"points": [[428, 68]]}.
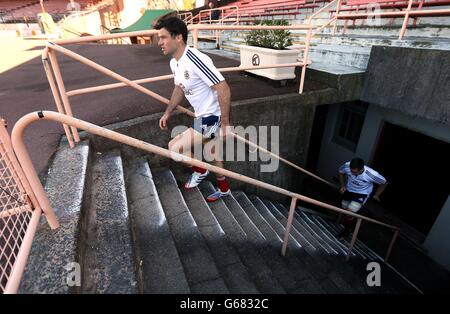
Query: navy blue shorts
{"points": [[208, 126]]}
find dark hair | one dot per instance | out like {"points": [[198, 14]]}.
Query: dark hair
{"points": [[357, 163], [174, 26]]}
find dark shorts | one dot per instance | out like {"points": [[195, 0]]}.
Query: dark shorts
{"points": [[354, 197], [208, 126]]}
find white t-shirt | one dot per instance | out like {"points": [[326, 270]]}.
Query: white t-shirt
{"points": [[195, 73], [363, 183]]}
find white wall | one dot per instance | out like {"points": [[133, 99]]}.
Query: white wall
{"points": [[332, 155]]}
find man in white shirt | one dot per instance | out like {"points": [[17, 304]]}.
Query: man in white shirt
{"points": [[197, 79], [360, 180]]}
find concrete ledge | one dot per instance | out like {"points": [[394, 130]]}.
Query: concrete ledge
{"points": [[108, 264], [53, 250]]}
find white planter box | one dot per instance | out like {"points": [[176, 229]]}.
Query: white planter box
{"points": [[251, 55]]}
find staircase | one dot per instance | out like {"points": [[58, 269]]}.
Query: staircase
{"points": [[133, 230]]}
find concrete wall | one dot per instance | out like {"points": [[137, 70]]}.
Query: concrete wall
{"points": [[438, 240], [413, 81]]}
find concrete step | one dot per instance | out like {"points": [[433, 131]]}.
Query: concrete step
{"points": [[282, 215], [275, 217], [424, 30], [356, 267], [333, 236], [330, 224], [302, 226], [352, 272], [363, 40], [54, 250], [202, 44], [199, 266], [237, 278], [229, 48], [159, 267], [289, 264], [259, 267], [339, 278], [335, 228], [329, 239], [108, 263], [300, 260], [357, 57]]}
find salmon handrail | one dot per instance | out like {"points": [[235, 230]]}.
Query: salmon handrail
{"points": [[322, 9], [99, 88], [12, 286], [17, 138]]}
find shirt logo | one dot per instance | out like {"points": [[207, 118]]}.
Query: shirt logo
{"points": [[187, 92], [186, 74]]}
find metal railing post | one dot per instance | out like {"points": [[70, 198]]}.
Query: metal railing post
{"points": [[338, 7], [305, 59], [391, 245], [405, 21], [355, 235], [62, 90], [288, 226], [195, 38], [22, 256], [55, 93]]}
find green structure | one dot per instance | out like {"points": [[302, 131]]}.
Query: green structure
{"points": [[144, 23]]}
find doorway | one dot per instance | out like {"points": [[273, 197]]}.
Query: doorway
{"points": [[417, 168]]}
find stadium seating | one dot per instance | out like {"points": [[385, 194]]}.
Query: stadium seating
{"points": [[14, 11]]}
